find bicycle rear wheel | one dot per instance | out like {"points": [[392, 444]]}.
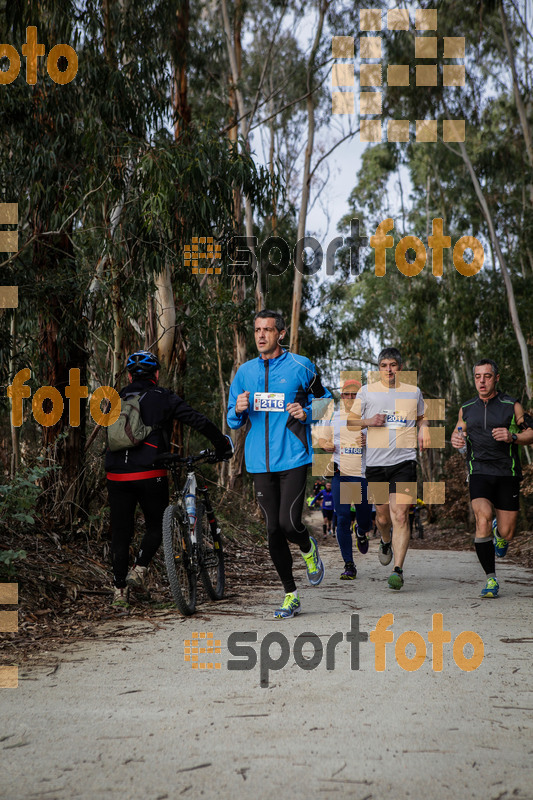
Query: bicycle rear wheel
{"points": [[211, 556], [177, 547]]}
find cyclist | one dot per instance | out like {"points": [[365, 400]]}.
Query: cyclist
{"points": [[391, 458], [348, 456], [132, 478], [494, 425], [272, 393], [325, 499]]}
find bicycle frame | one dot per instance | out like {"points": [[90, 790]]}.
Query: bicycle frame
{"points": [[191, 486]]}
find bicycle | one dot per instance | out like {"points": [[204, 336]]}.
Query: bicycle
{"points": [[418, 514], [192, 544]]}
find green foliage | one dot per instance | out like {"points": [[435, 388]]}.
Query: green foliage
{"points": [[8, 558], [19, 498]]}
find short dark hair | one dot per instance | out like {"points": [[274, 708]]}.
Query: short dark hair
{"points": [[492, 363], [275, 315], [390, 352]]}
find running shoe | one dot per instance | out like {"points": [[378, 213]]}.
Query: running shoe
{"points": [[290, 607], [491, 588], [350, 571], [362, 542], [500, 544], [135, 577], [315, 567], [121, 597], [385, 552], [396, 579]]}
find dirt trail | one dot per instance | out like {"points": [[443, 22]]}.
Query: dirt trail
{"points": [[126, 716]]}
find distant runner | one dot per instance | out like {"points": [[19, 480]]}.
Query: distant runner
{"points": [[348, 454], [325, 500], [494, 425]]}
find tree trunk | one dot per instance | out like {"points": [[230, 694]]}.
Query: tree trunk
{"points": [[182, 109], [60, 352], [294, 343], [233, 44], [516, 89], [165, 312], [505, 272]]}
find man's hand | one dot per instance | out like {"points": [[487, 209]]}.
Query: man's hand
{"points": [[377, 421], [458, 440], [327, 445], [243, 402], [502, 435], [296, 411]]}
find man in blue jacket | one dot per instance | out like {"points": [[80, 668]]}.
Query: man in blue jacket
{"points": [[273, 395]]}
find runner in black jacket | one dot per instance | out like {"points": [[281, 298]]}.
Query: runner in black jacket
{"points": [[132, 477]]}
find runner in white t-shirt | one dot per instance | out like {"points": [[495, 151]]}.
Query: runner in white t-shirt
{"points": [[397, 408]]}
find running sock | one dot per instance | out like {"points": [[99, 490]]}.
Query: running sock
{"points": [[307, 552], [399, 570], [485, 553], [324, 529]]}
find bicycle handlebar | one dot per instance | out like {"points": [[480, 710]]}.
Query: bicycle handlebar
{"points": [[172, 458]]}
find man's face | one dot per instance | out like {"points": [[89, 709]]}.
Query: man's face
{"points": [[347, 397], [328, 487], [266, 336], [388, 368], [485, 381]]}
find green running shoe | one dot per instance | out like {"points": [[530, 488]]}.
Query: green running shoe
{"points": [[500, 544], [315, 567], [290, 607], [491, 588], [396, 579]]}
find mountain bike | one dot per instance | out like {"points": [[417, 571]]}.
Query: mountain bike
{"points": [[192, 543], [418, 514]]}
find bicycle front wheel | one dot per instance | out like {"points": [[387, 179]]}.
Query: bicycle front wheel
{"points": [[211, 556], [177, 547]]}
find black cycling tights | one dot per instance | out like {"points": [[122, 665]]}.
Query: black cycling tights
{"points": [[281, 497], [152, 496]]}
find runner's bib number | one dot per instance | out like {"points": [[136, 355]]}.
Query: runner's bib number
{"points": [[351, 451], [394, 420], [269, 401]]}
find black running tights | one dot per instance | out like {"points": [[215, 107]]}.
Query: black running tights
{"points": [[281, 497]]}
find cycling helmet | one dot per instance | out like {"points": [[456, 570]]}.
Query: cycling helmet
{"points": [[142, 363]]}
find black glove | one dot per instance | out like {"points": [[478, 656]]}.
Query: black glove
{"points": [[224, 450]]}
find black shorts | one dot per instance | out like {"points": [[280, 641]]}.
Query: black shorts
{"points": [[502, 491], [404, 472], [327, 513]]}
